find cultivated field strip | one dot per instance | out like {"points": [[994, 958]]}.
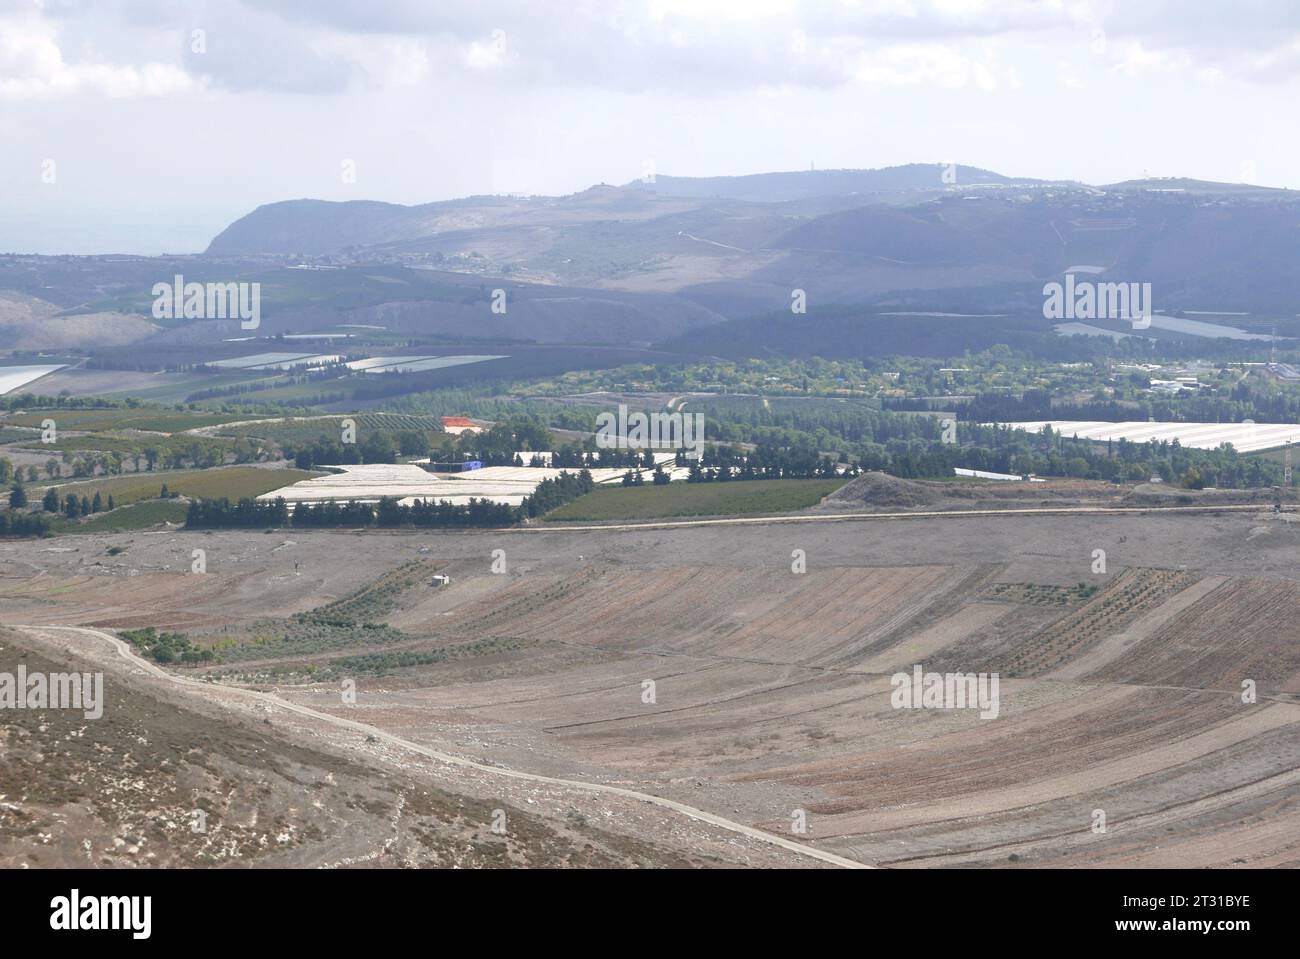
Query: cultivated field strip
{"points": [[816, 619], [1034, 775], [1118, 643], [1256, 822], [1242, 629], [772, 689], [170, 599], [1215, 791], [928, 645], [1125, 598], [933, 615]]}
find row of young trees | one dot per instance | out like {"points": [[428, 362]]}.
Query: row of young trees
{"points": [[246, 513], [1050, 454], [16, 474], [73, 506], [378, 446], [553, 493], [250, 513], [573, 456], [15, 523], [195, 455], [799, 461], [1261, 401]]}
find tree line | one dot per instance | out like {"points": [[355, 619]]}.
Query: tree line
{"points": [[249, 513]]}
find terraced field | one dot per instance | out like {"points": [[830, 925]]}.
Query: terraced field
{"points": [[1239, 629], [697, 665]]}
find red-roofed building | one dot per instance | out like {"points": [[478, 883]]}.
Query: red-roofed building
{"points": [[459, 424]]}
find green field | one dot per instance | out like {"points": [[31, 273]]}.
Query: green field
{"points": [[16, 436], [151, 419], [179, 390], [138, 516], [125, 443], [232, 482], [734, 498]]}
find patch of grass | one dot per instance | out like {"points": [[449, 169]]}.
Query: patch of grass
{"points": [[179, 390], [350, 623], [128, 444], [138, 516], [733, 498], [374, 664], [233, 482], [285, 639], [9, 435], [1041, 594], [166, 647], [372, 602]]}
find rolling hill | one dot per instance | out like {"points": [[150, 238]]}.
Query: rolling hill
{"points": [[655, 262]]}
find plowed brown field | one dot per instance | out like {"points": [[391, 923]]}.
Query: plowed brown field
{"points": [[696, 665]]}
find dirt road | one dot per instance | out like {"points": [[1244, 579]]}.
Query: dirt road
{"points": [[691, 812], [863, 517]]}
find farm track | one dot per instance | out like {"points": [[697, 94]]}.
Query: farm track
{"points": [[919, 514], [124, 651]]}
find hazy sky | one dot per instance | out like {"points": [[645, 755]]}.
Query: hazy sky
{"points": [[156, 136]]}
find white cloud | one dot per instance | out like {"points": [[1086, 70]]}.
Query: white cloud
{"points": [[934, 64], [1132, 57], [488, 54], [386, 62], [32, 67]]}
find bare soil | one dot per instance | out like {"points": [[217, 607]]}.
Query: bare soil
{"points": [[771, 690]]}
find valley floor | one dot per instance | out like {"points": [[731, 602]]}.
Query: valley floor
{"points": [[696, 664]]}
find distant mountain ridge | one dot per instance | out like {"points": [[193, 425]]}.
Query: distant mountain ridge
{"points": [[310, 227], [804, 184], [319, 227], [709, 260], [664, 259]]}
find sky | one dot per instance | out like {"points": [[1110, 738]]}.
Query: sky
{"points": [[147, 126]]}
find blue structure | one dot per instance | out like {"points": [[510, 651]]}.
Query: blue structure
{"points": [[455, 467]]}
